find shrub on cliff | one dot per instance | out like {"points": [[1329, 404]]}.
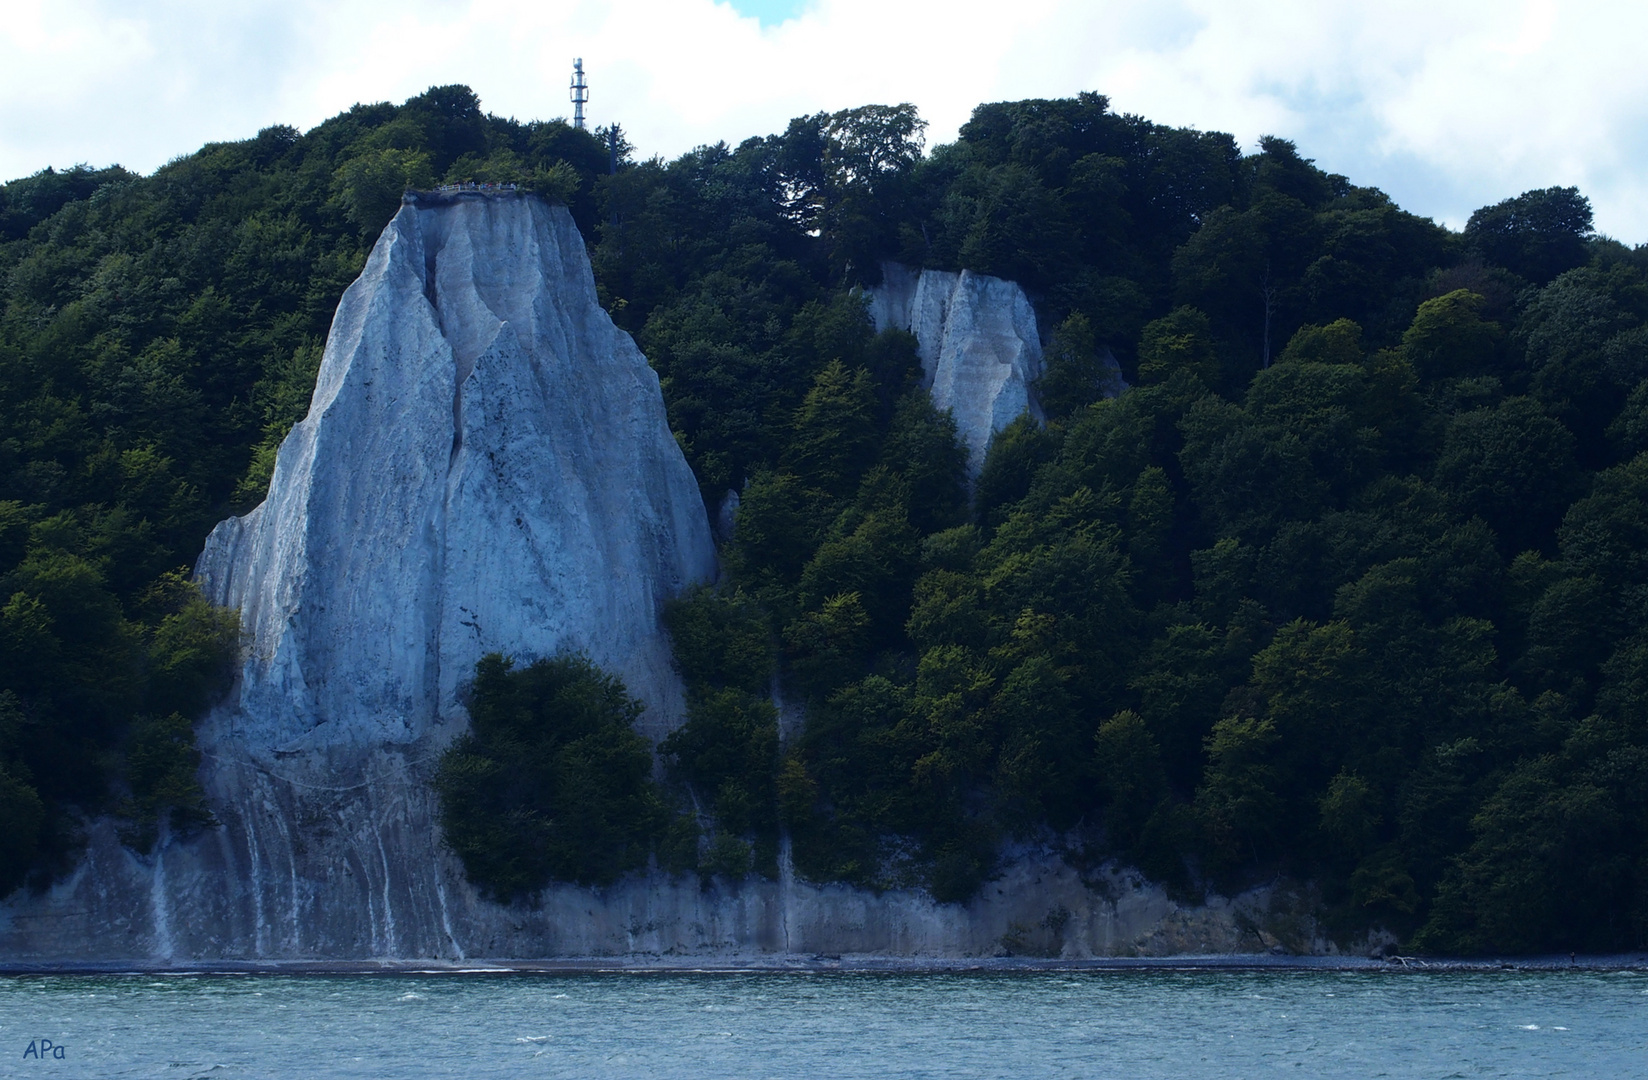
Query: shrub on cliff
{"points": [[551, 783]]}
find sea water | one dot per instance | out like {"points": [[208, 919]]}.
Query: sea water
{"points": [[1132, 1025]]}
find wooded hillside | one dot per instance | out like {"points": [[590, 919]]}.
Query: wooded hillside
{"points": [[1349, 586]]}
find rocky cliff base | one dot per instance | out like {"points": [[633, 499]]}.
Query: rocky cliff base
{"points": [[308, 872]]}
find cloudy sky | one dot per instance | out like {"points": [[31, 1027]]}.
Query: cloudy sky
{"points": [[1446, 104]]}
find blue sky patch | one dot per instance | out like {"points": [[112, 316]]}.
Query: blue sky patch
{"points": [[770, 12]]}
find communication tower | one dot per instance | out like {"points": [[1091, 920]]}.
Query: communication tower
{"points": [[580, 93]]}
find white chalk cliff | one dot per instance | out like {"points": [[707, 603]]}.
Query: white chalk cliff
{"points": [[979, 347], [486, 466]]}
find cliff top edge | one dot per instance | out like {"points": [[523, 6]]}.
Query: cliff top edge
{"points": [[449, 194]]}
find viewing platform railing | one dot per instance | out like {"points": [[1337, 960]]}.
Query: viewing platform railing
{"points": [[469, 189]]}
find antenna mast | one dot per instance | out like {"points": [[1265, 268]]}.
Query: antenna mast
{"points": [[580, 93]]}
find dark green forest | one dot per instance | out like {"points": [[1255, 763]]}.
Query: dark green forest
{"points": [[1350, 586]]}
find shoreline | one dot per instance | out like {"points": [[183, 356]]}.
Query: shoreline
{"points": [[816, 965]]}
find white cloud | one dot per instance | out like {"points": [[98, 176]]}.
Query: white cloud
{"points": [[1447, 105]]}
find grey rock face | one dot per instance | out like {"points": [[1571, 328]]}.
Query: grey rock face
{"points": [[980, 350], [726, 517], [485, 467]]}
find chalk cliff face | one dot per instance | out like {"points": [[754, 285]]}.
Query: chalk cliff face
{"points": [[485, 467], [980, 350]]}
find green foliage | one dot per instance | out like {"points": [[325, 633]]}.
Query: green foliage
{"points": [[161, 761], [1076, 372], [28, 202], [1238, 802], [1340, 342], [551, 782], [833, 437], [921, 449], [370, 186], [1513, 466], [84, 683], [24, 815], [21, 807], [1350, 814], [1128, 767], [1538, 234], [1584, 349], [1629, 431], [847, 175], [728, 749], [1015, 454], [1557, 857], [283, 396], [1182, 340], [558, 183], [720, 640], [1450, 338], [192, 650]]}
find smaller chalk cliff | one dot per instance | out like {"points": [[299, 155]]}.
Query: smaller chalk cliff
{"points": [[979, 346]]}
